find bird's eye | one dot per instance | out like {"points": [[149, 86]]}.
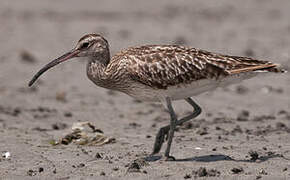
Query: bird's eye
{"points": [[85, 45]]}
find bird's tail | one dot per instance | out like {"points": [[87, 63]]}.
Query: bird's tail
{"points": [[276, 68]]}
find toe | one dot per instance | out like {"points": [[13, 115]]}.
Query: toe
{"points": [[170, 158]]}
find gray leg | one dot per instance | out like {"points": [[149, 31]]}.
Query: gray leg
{"points": [[160, 137], [172, 126]]}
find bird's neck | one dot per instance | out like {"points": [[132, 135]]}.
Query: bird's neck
{"points": [[98, 63], [96, 68], [103, 59]]}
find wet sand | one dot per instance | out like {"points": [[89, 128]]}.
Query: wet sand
{"points": [[244, 129]]}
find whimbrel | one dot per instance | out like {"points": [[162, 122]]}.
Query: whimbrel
{"points": [[161, 73]]}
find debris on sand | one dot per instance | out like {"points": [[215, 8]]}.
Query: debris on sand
{"points": [[202, 131], [254, 155], [27, 57], [53, 142], [136, 165], [98, 156], [84, 133], [5, 155], [10, 111], [31, 172], [61, 96], [236, 130], [68, 114], [134, 125], [237, 170], [281, 126], [203, 172], [187, 176], [58, 126], [263, 172], [34, 172]]}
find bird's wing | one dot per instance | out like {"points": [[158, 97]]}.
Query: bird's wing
{"points": [[163, 66]]}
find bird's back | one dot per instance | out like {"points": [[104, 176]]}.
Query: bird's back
{"points": [[165, 67]]}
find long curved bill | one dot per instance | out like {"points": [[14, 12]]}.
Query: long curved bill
{"points": [[55, 62]]}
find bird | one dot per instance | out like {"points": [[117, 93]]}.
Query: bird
{"points": [[162, 73]]}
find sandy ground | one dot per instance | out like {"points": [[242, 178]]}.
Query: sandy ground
{"points": [[243, 132]]}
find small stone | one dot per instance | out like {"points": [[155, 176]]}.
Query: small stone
{"points": [[202, 172], [237, 170], [67, 114], [187, 176], [115, 169], [134, 125], [27, 57], [61, 96], [31, 172], [102, 173], [98, 156], [59, 126], [81, 165], [40, 169]]}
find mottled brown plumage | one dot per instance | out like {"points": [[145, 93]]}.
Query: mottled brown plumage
{"points": [[161, 73], [161, 66]]}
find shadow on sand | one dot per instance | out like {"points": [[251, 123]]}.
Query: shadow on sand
{"points": [[218, 157]]}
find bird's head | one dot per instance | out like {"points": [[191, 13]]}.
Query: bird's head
{"points": [[91, 45]]}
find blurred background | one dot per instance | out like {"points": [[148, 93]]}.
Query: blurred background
{"points": [[33, 32]]}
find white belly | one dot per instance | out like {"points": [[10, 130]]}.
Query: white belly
{"points": [[186, 90]]}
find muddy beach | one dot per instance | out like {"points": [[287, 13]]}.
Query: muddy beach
{"points": [[242, 133]]}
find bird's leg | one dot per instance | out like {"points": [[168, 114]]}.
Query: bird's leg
{"points": [[173, 120], [194, 114], [163, 132]]}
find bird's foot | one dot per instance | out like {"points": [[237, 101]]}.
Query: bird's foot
{"points": [[169, 158]]}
